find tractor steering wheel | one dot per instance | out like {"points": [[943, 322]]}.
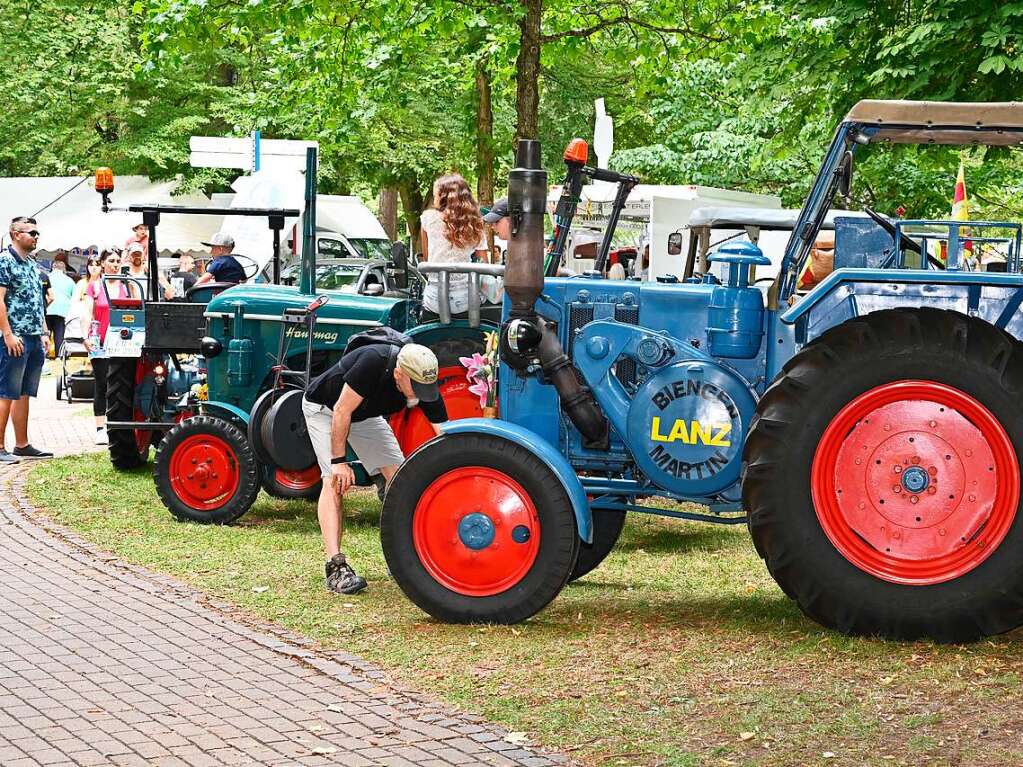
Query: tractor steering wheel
{"points": [[912, 245]]}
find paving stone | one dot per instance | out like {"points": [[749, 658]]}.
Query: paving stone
{"points": [[104, 663]]}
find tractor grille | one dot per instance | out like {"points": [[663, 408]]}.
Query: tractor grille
{"points": [[578, 316], [625, 369]]}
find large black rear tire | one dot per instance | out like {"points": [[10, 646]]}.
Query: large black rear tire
{"points": [[123, 444], [607, 528], [477, 529], [832, 510], [206, 472]]}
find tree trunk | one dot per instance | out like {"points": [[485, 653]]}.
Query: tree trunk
{"points": [[484, 144], [527, 71], [413, 203], [387, 211]]}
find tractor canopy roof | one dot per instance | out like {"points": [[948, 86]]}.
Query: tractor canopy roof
{"points": [[940, 122]]}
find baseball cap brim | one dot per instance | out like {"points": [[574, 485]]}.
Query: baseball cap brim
{"points": [[426, 392], [493, 216]]}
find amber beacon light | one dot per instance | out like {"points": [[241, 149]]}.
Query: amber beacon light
{"points": [[105, 185]]}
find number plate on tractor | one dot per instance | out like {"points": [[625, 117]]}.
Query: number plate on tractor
{"points": [[118, 346]]}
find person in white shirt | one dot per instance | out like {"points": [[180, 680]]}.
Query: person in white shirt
{"points": [[452, 232]]}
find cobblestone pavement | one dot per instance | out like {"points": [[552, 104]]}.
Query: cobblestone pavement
{"points": [[105, 663]]}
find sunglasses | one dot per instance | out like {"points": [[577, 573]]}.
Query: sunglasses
{"points": [[33, 233]]}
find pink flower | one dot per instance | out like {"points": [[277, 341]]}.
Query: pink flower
{"points": [[482, 390], [473, 364]]}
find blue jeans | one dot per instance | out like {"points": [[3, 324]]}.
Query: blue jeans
{"points": [[20, 375]]}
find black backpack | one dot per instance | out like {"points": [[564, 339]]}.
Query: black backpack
{"points": [[382, 335]]}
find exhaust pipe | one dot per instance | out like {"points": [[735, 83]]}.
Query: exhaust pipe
{"points": [[526, 338]]}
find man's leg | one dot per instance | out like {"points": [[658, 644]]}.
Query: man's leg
{"points": [[19, 415], [5, 416], [330, 513], [35, 358]]}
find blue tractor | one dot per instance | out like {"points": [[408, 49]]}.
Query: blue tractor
{"points": [[868, 431]]}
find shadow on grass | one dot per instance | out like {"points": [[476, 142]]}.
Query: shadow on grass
{"points": [[680, 539]]}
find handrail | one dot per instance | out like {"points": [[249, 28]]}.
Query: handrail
{"points": [[474, 271]]}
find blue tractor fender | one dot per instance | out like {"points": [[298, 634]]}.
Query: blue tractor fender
{"points": [[543, 450]]}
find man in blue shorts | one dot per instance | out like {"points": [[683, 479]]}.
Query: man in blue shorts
{"points": [[26, 338]]}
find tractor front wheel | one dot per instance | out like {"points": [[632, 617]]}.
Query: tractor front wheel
{"points": [[476, 529], [206, 472], [882, 477]]}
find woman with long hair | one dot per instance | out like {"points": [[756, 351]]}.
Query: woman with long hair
{"points": [[452, 231], [96, 308], [93, 270]]}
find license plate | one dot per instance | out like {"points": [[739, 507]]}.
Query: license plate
{"points": [[124, 347]]}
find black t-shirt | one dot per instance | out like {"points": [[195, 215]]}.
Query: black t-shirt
{"points": [[182, 282], [370, 372]]}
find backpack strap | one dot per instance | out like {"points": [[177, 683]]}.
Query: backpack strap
{"points": [[392, 361]]}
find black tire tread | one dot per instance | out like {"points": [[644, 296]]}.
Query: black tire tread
{"points": [[931, 339], [123, 449]]}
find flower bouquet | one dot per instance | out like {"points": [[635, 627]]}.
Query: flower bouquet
{"points": [[481, 370]]}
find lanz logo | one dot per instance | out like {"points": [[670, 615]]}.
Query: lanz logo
{"points": [[692, 432]]}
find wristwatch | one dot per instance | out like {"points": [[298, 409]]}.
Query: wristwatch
{"points": [[336, 461]]}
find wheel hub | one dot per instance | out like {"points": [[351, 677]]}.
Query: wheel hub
{"points": [[915, 482], [915, 479], [476, 531]]}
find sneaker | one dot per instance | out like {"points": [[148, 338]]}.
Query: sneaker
{"points": [[101, 436], [6, 457], [342, 578], [31, 452]]}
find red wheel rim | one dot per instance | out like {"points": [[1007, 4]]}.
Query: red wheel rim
{"points": [[298, 480], [476, 531], [915, 482], [204, 472]]}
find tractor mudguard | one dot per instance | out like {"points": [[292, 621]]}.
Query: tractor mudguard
{"points": [[849, 293], [228, 411], [543, 450]]}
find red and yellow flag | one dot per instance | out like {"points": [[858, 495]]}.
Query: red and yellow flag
{"points": [[960, 204], [961, 208]]}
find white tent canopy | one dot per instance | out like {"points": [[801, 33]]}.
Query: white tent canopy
{"points": [[69, 214]]}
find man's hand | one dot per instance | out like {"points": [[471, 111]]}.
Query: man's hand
{"points": [[341, 478], [45, 338], [15, 346]]}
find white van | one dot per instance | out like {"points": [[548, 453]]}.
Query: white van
{"points": [[345, 228]]}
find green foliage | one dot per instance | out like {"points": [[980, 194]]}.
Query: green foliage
{"points": [[743, 95], [78, 94]]}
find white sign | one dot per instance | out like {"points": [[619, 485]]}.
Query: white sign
{"points": [[603, 134], [229, 152]]}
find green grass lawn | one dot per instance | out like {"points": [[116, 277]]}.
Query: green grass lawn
{"points": [[678, 650]]}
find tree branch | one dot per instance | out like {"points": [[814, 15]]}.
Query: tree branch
{"points": [[624, 19]]}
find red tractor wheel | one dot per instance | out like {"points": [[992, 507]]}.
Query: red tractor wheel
{"points": [[477, 529], [205, 471], [287, 485], [882, 477]]}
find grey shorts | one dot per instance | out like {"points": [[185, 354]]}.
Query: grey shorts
{"points": [[372, 440]]}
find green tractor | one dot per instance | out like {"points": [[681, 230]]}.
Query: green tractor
{"points": [[215, 382]]}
